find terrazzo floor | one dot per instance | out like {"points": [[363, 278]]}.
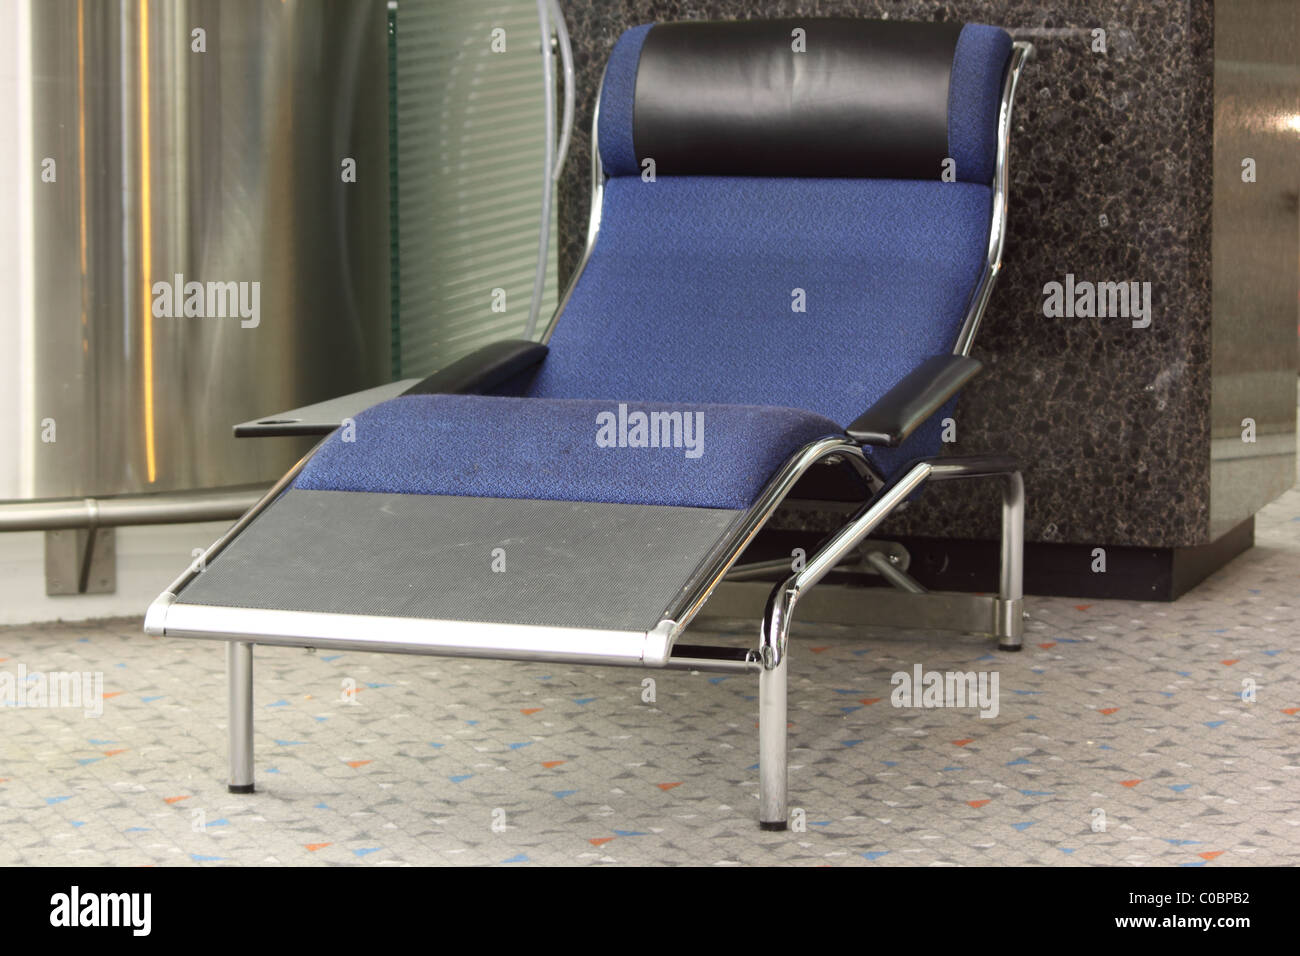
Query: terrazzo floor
{"points": [[1126, 733]]}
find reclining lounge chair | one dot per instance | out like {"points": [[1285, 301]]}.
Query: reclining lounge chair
{"points": [[795, 229]]}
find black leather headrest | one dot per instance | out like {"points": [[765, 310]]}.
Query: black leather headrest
{"points": [[804, 97]]}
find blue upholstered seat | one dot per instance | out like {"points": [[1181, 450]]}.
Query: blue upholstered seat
{"points": [[501, 447], [704, 292], [689, 295]]}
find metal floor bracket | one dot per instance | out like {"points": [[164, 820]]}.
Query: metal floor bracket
{"points": [[81, 561]]}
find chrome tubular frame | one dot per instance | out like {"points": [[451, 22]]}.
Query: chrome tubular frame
{"points": [[1021, 51], [775, 633], [781, 604]]}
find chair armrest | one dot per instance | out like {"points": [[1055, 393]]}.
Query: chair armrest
{"points": [[919, 395], [482, 369], [320, 418]]}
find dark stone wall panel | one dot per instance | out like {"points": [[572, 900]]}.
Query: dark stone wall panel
{"points": [[1111, 164]]}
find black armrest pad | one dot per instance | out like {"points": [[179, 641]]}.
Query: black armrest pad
{"points": [[320, 418], [909, 403], [482, 369]]}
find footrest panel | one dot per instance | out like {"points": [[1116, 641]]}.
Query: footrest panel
{"points": [[335, 564]]}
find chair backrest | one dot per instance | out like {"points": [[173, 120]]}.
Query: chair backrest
{"points": [[798, 243]]}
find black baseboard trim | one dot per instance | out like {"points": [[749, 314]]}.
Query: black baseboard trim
{"points": [[1055, 570]]}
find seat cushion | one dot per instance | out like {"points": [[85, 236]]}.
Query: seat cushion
{"points": [[483, 446]]}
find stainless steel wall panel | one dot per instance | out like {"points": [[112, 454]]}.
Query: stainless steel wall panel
{"points": [[223, 166]]}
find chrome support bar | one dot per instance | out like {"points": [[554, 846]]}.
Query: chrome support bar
{"points": [[973, 466], [173, 508], [887, 569], [757, 569], [723, 660], [1009, 623], [856, 605], [873, 556]]}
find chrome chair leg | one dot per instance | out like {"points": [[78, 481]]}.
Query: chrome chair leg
{"points": [[772, 719], [773, 650], [1010, 619], [774, 642], [239, 674], [1009, 611]]}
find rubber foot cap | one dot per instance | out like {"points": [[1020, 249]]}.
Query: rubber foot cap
{"points": [[1010, 647], [778, 826], [240, 787]]}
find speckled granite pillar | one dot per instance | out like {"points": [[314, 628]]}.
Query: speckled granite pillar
{"points": [[1113, 165]]}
